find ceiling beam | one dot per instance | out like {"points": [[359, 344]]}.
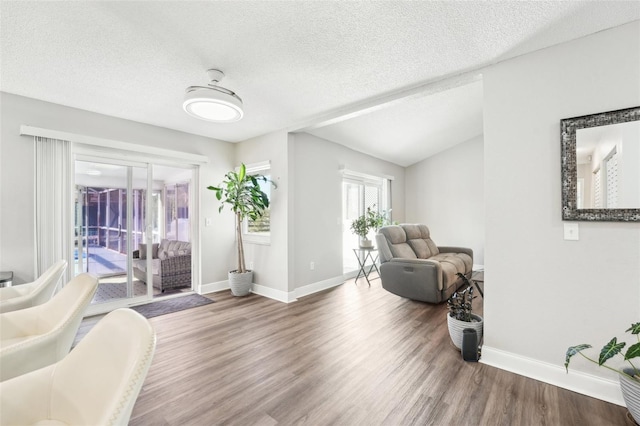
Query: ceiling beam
{"points": [[385, 101]]}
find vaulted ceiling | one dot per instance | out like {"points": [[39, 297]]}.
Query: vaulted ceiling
{"points": [[398, 80]]}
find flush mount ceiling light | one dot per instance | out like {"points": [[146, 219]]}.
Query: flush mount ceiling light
{"points": [[213, 103]]}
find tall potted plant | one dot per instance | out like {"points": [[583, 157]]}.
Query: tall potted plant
{"points": [[629, 376], [460, 316], [246, 200]]}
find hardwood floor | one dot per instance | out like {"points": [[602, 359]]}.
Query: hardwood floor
{"points": [[352, 355]]}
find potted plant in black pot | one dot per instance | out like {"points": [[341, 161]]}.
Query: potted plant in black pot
{"points": [[371, 220], [629, 376], [243, 194], [460, 314]]}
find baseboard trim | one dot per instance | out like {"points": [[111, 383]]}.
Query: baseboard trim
{"points": [[214, 287], [586, 384], [350, 274], [318, 286], [279, 295], [272, 293]]}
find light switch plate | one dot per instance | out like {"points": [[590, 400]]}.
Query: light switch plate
{"points": [[571, 231]]}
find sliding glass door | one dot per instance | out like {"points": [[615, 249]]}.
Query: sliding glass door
{"points": [[358, 195], [133, 229], [112, 217]]}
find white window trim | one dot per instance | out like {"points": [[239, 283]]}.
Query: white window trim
{"points": [[159, 155], [254, 237], [254, 168], [383, 182]]}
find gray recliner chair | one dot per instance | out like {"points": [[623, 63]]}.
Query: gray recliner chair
{"points": [[412, 266]]}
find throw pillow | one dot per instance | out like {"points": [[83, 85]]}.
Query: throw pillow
{"points": [[143, 251], [173, 245]]}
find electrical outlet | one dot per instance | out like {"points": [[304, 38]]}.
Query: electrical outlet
{"points": [[312, 266]]}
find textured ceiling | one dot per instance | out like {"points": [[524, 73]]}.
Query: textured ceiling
{"points": [[293, 63]]}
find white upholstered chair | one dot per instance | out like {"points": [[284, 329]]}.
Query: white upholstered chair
{"points": [[33, 293], [96, 384], [35, 337]]}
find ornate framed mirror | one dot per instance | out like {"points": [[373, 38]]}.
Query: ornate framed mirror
{"points": [[600, 157]]}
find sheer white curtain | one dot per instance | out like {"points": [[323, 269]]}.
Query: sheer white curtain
{"points": [[53, 204]]}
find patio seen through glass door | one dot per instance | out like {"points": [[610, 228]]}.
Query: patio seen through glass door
{"points": [[123, 214]]}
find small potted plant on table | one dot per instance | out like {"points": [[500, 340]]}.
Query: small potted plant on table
{"points": [[460, 316], [361, 226], [629, 376]]}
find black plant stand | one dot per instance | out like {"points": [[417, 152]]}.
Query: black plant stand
{"points": [[476, 278]]}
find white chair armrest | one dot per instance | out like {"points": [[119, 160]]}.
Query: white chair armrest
{"points": [[17, 324], [25, 399]]}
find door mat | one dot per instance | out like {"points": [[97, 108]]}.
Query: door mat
{"points": [[110, 291], [171, 305]]}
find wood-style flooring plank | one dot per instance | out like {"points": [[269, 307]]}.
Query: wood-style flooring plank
{"points": [[352, 355]]}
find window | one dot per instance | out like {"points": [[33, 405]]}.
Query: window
{"points": [[259, 231]]}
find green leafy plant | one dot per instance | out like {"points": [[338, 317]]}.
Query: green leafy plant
{"points": [[610, 350], [243, 194], [372, 219], [460, 302]]}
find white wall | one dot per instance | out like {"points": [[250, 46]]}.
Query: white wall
{"points": [[17, 176], [271, 262], [543, 293], [317, 208], [446, 193], [305, 210]]}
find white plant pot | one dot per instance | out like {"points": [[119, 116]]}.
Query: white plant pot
{"points": [[240, 283], [366, 243], [456, 327], [631, 394]]}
